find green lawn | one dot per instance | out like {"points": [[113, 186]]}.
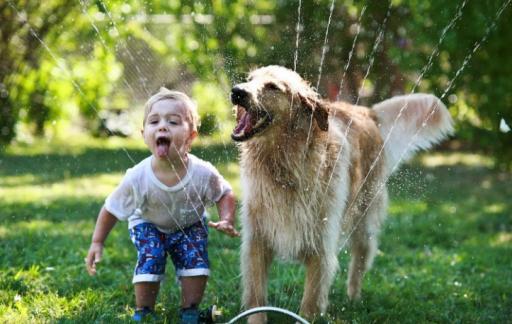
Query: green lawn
{"points": [[445, 253]]}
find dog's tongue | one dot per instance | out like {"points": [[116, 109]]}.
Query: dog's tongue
{"points": [[162, 149], [244, 124]]}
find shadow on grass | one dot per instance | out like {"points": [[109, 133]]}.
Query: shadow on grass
{"points": [[53, 167], [53, 211], [446, 249]]}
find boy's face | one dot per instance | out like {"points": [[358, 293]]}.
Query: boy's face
{"points": [[167, 131]]}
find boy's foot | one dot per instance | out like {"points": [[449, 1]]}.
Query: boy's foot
{"points": [[145, 312], [189, 315]]}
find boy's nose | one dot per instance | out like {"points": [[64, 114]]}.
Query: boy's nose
{"points": [[163, 126]]}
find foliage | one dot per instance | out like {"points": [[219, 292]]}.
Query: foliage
{"points": [[96, 83], [472, 58], [215, 39], [212, 108], [445, 254], [23, 25], [122, 51]]}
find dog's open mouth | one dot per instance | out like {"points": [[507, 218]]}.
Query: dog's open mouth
{"points": [[162, 146], [249, 123]]}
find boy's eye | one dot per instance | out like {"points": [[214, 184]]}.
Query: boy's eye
{"points": [[153, 122], [173, 122]]}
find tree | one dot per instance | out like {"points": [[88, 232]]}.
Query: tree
{"points": [[372, 50], [23, 24], [471, 70], [457, 50]]}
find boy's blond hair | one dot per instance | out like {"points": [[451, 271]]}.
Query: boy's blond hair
{"points": [[163, 94]]}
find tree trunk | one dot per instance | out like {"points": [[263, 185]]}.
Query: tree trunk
{"points": [[8, 118]]}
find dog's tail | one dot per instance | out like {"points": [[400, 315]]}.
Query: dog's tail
{"points": [[410, 123]]}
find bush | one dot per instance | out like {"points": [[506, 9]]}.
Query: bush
{"points": [[213, 108]]}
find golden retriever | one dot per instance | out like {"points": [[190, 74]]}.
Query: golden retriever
{"points": [[313, 177]]}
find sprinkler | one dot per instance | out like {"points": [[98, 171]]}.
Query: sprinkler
{"points": [[213, 314], [268, 309], [210, 315]]}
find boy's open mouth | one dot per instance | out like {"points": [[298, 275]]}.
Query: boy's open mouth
{"points": [[162, 146]]}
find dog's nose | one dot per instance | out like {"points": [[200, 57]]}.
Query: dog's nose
{"points": [[238, 95]]}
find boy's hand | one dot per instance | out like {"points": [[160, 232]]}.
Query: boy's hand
{"points": [[224, 226], [93, 257]]}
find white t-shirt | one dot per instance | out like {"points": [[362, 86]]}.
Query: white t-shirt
{"points": [[142, 198]]}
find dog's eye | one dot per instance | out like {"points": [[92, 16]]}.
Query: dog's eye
{"points": [[271, 86]]}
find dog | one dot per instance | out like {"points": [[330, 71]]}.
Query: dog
{"points": [[313, 176]]}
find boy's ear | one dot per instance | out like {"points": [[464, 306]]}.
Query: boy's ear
{"points": [[193, 135]]}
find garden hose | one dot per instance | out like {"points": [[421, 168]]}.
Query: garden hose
{"points": [[268, 309]]}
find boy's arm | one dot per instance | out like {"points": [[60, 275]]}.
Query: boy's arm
{"points": [[226, 209], [104, 225]]}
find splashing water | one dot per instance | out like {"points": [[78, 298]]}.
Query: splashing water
{"points": [[450, 84], [297, 43], [376, 45], [63, 68], [380, 36], [324, 47], [434, 53], [132, 58], [324, 50], [504, 128], [351, 53], [103, 42], [297, 29]]}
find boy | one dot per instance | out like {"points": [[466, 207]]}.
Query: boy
{"points": [[164, 198]]}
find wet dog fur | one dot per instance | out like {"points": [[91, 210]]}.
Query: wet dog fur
{"points": [[313, 178]]}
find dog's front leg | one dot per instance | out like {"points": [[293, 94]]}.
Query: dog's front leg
{"points": [[320, 271], [255, 261]]}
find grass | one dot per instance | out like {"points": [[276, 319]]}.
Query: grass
{"points": [[445, 253]]}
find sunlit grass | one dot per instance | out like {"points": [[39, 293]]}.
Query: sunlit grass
{"points": [[96, 186], [75, 143], [502, 239], [455, 158], [444, 257]]}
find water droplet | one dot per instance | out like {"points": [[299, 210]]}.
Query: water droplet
{"points": [[504, 128]]}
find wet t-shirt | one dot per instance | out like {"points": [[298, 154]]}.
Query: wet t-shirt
{"points": [[141, 197]]}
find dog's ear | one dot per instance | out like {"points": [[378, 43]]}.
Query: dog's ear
{"points": [[319, 109], [321, 114]]}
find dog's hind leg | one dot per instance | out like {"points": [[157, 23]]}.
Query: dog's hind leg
{"points": [[364, 243], [362, 250], [320, 271], [256, 258]]}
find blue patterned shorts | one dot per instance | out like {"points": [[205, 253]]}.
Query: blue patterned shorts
{"points": [[187, 248]]}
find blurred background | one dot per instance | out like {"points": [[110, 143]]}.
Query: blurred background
{"points": [[88, 66], [74, 76]]}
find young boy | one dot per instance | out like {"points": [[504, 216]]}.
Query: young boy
{"points": [[164, 199]]}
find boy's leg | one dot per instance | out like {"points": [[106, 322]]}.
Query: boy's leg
{"points": [[192, 290], [189, 253], [145, 294], [150, 268]]}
